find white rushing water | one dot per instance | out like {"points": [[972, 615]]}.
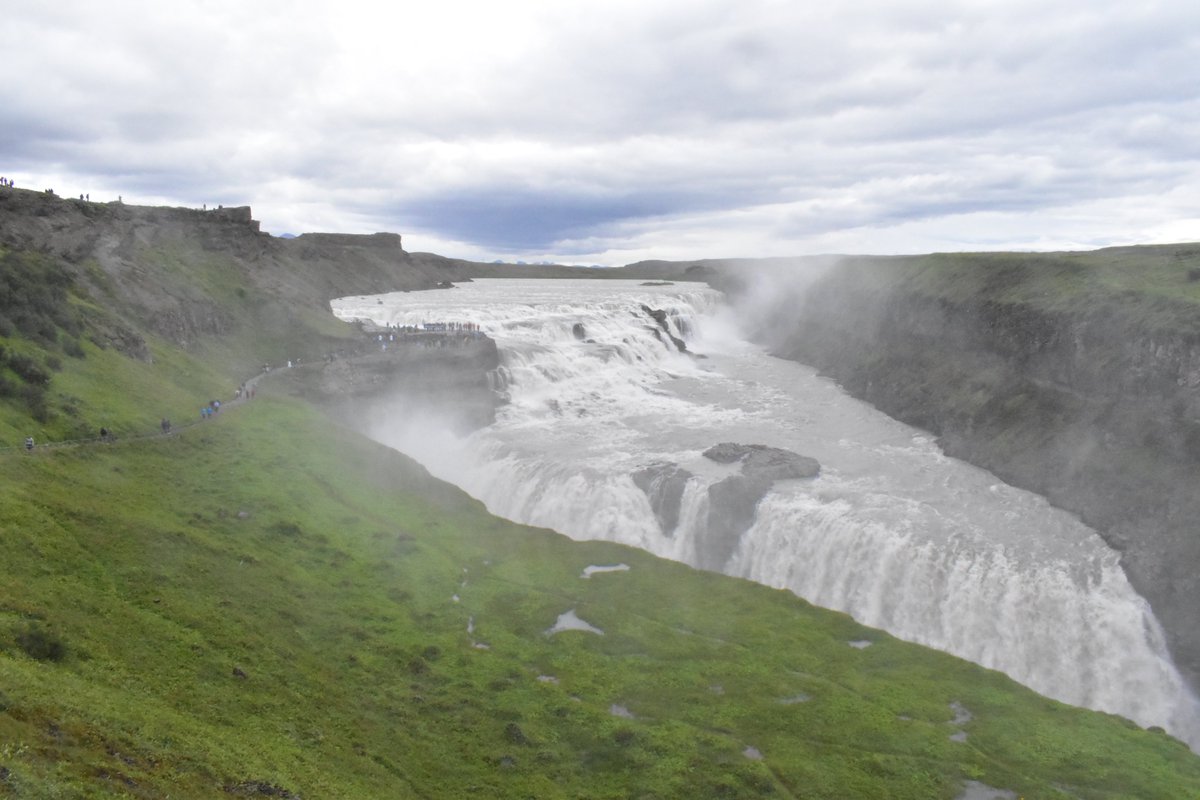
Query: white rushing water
{"points": [[893, 532]]}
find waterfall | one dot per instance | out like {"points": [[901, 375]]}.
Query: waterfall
{"points": [[893, 532]]}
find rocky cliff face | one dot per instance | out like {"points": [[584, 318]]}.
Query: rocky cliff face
{"points": [[185, 274], [1094, 404], [211, 280], [434, 378]]}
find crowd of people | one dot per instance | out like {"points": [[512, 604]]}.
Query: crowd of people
{"points": [[245, 391], [443, 333]]}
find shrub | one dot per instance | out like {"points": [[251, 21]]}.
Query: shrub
{"points": [[28, 369], [39, 643], [35, 400], [72, 347], [35, 298], [283, 528]]}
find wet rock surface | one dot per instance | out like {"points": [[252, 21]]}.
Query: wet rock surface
{"points": [[763, 462], [663, 484], [664, 329], [732, 501], [442, 377], [732, 505]]}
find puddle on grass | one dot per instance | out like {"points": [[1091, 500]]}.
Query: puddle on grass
{"points": [[794, 699], [596, 570], [569, 621], [974, 790]]}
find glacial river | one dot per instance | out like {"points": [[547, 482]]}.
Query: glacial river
{"points": [[893, 532]]}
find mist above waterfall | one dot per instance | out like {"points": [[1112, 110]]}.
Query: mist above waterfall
{"points": [[892, 531]]}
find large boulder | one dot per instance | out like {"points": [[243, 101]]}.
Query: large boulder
{"points": [[663, 484], [733, 502], [767, 463], [732, 506]]}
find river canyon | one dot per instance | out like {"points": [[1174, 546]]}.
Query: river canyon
{"points": [[614, 391]]}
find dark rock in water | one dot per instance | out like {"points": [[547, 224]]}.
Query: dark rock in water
{"points": [[664, 484], [760, 461], [732, 505], [726, 452], [578, 331], [657, 314], [660, 316], [733, 502]]}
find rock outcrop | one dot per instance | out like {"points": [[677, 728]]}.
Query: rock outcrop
{"points": [[732, 501], [664, 329], [433, 376], [188, 273], [663, 484], [764, 463]]}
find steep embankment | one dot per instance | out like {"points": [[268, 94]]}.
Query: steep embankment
{"points": [[266, 604], [442, 379], [1075, 375], [148, 283], [187, 275]]}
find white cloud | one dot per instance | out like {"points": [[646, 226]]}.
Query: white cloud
{"points": [[603, 131]]}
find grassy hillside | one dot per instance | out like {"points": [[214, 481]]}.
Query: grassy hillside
{"points": [[266, 604]]}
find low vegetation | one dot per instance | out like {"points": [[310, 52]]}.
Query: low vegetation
{"points": [[265, 604]]}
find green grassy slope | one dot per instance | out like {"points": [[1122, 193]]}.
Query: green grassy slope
{"points": [[267, 603]]}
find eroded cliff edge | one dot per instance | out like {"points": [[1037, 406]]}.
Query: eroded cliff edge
{"points": [[425, 379], [1076, 376]]}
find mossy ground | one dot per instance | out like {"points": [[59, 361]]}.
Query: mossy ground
{"points": [[266, 600], [1149, 288]]}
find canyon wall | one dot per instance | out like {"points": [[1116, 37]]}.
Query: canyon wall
{"points": [[1074, 376]]}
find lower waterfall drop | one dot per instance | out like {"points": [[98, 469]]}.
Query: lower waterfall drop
{"points": [[893, 532]]}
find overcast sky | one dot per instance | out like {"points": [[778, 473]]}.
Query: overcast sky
{"points": [[612, 131]]}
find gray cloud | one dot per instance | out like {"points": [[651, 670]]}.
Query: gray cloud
{"points": [[597, 131]]}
